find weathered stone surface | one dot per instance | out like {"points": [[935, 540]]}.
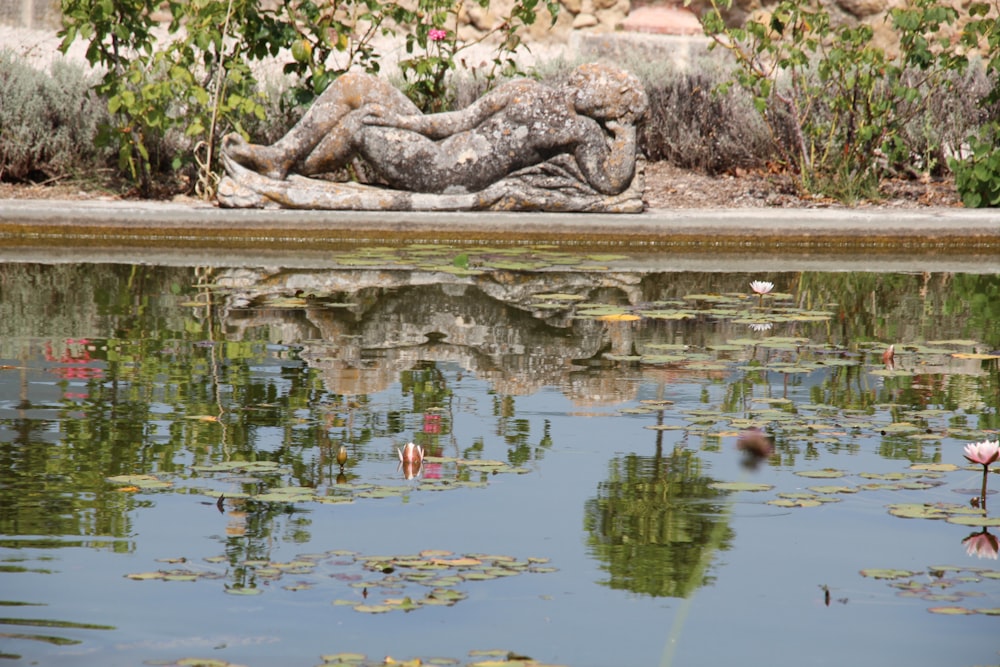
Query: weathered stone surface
{"points": [[863, 8], [663, 20], [551, 186], [522, 146]]}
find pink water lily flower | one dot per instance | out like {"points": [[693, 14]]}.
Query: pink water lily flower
{"points": [[761, 287], [982, 545], [410, 453], [984, 453], [436, 34]]}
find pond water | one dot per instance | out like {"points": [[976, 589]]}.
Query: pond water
{"points": [[170, 491]]}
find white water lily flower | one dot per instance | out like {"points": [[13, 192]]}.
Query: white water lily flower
{"points": [[761, 287]]}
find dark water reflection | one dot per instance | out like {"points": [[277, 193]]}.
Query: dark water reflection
{"points": [[591, 441]]}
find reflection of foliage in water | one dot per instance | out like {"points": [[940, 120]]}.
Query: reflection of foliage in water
{"points": [[169, 385], [655, 522]]}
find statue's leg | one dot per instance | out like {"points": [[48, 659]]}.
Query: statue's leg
{"points": [[336, 148], [348, 92], [339, 145]]}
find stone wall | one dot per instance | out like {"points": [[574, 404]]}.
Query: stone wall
{"points": [[576, 16], [30, 13], [873, 12]]}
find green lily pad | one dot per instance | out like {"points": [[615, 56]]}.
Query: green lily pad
{"points": [[950, 610], [373, 608], [243, 591], [935, 467], [740, 486], [961, 342], [826, 473], [790, 502], [876, 573], [140, 481], [977, 521], [930, 510], [343, 657], [832, 488]]}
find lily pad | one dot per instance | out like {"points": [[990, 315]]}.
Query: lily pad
{"points": [[826, 473], [343, 657], [140, 481], [740, 486], [951, 610], [977, 521], [930, 510], [935, 467], [832, 488], [876, 573], [795, 502], [373, 608]]}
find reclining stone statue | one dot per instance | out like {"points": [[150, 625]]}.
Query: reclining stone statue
{"points": [[522, 146]]}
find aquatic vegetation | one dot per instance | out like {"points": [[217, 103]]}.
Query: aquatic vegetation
{"points": [[984, 453], [940, 583], [401, 582]]}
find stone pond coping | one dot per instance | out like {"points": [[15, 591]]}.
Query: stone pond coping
{"points": [[870, 238]]}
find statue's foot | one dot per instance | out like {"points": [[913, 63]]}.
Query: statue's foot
{"points": [[264, 160]]}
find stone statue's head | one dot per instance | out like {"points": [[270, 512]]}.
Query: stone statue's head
{"points": [[604, 92]]}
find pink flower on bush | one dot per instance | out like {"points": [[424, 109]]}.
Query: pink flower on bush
{"points": [[436, 34], [984, 453]]}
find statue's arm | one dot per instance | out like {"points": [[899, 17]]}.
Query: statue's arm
{"points": [[607, 165], [448, 123]]}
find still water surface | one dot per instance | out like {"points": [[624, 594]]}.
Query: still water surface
{"points": [[169, 484]]}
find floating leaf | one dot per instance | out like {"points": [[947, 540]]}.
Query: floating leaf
{"points": [[795, 502], [901, 427], [951, 611], [140, 481], [740, 486], [826, 473], [373, 608], [930, 510], [343, 657], [243, 591], [830, 488], [876, 573], [977, 521]]}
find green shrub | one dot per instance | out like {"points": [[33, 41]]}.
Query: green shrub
{"points": [[847, 100], [977, 177], [48, 120], [689, 123], [202, 83]]}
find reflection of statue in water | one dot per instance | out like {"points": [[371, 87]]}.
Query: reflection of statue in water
{"points": [[584, 129]]}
